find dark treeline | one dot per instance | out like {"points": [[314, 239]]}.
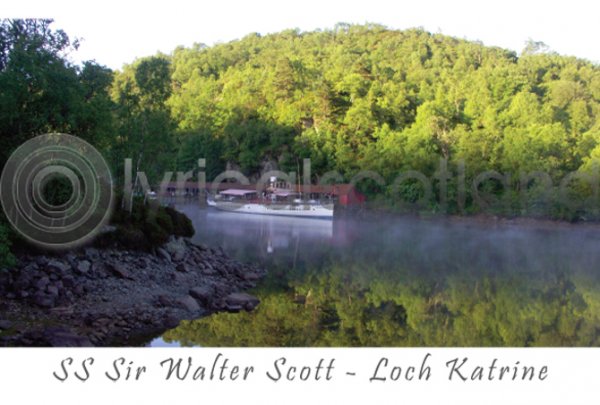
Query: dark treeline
{"points": [[355, 97]]}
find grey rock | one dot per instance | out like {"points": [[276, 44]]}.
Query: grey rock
{"points": [[31, 267], [249, 276], [164, 254], [24, 280], [176, 248], [165, 301], [183, 268], [42, 300], [107, 229], [5, 324], [83, 267], [62, 310], [119, 270], [42, 283], [52, 290], [247, 301], [57, 266], [208, 269], [202, 294], [91, 253], [68, 281], [170, 321], [178, 277], [79, 290], [188, 303], [232, 308]]}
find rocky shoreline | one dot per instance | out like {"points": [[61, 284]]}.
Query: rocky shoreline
{"points": [[114, 297]]}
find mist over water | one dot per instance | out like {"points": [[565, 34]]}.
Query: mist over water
{"points": [[405, 282]]}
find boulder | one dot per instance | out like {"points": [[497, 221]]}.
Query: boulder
{"points": [[203, 294], [164, 301], [62, 311], [188, 303], [79, 290], [42, 283], [164, 254], [176, 247], [250, 276], [170, 321], [68, 281], [246, 301], [24, 280], [31, 268], [53, 290], [43, 300], [83, 267], [178, 278], [232, 308], [208, 269], [57, 266], [119, 270], [183, 268], [91, 253]]}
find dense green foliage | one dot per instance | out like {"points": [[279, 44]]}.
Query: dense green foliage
{"points": [[368, 98], [121, 116], [145, 227], [144, 130], [351, 98], [6, 257], [42, 92]]}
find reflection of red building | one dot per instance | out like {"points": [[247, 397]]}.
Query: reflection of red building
{"points": [[344, 194]]}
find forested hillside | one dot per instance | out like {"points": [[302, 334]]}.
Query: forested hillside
{"points": [[365, 97], [351, 98], [368, 98]]}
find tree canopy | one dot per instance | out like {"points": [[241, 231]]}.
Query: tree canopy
{"points": [[364, 97], [350, 98]]}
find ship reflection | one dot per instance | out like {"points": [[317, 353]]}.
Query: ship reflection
{"points": [[267, 234]]}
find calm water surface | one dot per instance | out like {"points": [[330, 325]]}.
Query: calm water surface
{"points": [[404, 282]]}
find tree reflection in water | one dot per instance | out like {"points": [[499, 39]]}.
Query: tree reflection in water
{"points": [[405, 282]]}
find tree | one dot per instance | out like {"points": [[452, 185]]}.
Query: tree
{"points": [[146, 131]]}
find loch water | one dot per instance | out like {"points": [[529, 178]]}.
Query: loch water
{"points": [[400, 281]]}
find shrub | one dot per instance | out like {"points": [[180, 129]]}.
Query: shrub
{"points": [[182, 225], [145, 229], [6, 257]]}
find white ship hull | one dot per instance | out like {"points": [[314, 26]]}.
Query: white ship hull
{"points": [[290, 210]]}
